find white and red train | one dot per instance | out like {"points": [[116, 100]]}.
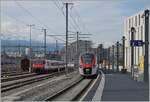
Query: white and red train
{"points": [[88, 64], [42, 65]]}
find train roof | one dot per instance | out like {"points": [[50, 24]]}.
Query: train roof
{"points": [[87, 53], [47, 60]]}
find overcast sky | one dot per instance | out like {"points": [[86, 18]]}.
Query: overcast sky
{"points": [[103, 19]]}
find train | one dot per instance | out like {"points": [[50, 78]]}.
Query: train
{"points": [[88, 64], [44, 65]]}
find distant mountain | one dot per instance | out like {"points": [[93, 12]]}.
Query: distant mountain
{"points": [[50, 46]]}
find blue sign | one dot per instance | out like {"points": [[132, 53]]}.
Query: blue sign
{"points": [[136, 43]]}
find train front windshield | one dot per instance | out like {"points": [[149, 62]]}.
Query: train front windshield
{"points": [[39, 62], [87, 58]]}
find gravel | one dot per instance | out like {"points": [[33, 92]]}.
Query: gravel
{"points": [[40, 90]]}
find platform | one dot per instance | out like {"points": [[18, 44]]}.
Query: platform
{"points": [[121, 87]]}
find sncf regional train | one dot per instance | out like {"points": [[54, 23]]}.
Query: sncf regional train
{"points": [[42, 65], [88, 64]]}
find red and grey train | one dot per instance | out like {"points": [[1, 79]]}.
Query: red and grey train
{"points": [[42, 65], [88, 64]]}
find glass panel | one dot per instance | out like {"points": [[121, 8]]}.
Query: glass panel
{"points": [[87, 58]]}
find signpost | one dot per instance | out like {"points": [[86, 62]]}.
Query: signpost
{"points": [[136, 43]]}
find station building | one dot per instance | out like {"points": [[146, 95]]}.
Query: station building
{"points": [[138, 22]]}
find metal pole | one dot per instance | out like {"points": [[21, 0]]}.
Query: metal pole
{"points": [[19, 47], [108, 57], [30, 69], [66, 38], [101, 55], [57, 47], [146, 57], [30, 51], [30, 41], [117, 56], [113, 57], [77, 49], [123, 43], [98, 57], [4, 50], [132, 50], [45, 43]]}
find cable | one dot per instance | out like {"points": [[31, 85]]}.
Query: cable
{"points": [[61, 10], [80, 20], [29, 13], [74, 21], [33, 16], [22, 22]]}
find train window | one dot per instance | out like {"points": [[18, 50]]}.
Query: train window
{"points": [[87, 58]]}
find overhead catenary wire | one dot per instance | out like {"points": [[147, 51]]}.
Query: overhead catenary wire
{"points": [[73, 19], [16, 19], [78, 17], [24, 23], [80, 20], [29, 13], [57, 4], [35, 18]]}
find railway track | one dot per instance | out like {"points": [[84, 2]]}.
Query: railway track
{"points": [[8, 74], [72, 92], [6, 86], [16, 77], [54, 89]]}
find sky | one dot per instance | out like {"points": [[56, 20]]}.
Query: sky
{"points": [[103, 19]]}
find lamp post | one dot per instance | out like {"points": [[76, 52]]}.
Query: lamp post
{"points": [[132, 50], [117, 56], [146, 57], [113, 58], [123, 45]]}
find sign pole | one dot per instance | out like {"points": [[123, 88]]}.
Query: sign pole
{"points": [[132, 50], [146, 57]]}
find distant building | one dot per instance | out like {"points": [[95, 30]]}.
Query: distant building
{"points": [[105, 55], [83, 46]]}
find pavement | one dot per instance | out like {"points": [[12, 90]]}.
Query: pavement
{"points": [[121, 87]]}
